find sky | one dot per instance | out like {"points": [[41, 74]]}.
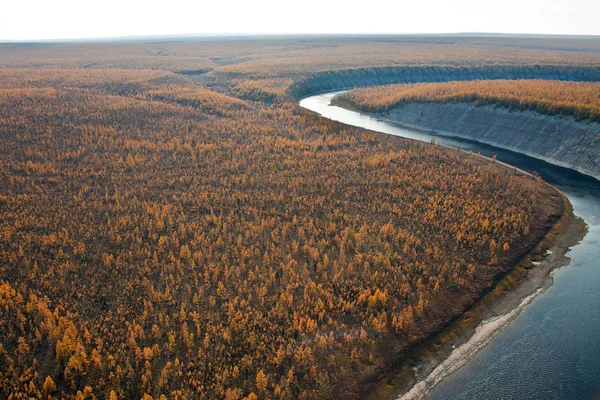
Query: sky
{"points": [[62, 19]]}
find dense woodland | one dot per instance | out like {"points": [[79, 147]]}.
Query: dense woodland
{"points": [[287, 57], [159, 239], [580, 100]]}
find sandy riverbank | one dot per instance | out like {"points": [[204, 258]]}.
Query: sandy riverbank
{"points": [[459, 342], [502, 310]]}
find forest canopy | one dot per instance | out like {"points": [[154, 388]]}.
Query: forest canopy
{"points": [[172, 225], [580, 100]]}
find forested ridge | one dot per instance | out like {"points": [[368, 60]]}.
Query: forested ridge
{"points": [[159, 239], [580, 100]]}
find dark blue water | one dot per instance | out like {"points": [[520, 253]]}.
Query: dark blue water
{"points": [[552, 349]]}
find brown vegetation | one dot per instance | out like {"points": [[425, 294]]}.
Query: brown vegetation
{"points": [[293, 57], [160, 239], [578, 99]]}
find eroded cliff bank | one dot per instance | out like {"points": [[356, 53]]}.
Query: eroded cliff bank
{"points": [[560, 140], [329, 81]]}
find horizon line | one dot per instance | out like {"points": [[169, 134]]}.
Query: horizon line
{"points": [[97, 39]]}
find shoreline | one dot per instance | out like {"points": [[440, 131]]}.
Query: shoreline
{"points": [[452, 347], [498, 310]]}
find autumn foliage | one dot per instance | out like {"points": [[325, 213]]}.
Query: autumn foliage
{"points": [[580, 100], [159, 239]]}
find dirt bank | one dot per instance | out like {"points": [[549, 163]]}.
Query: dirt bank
{"points": [[329, 81], [559, 140]]}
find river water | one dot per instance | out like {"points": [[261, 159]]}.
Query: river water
{"points": [[552, 349]]}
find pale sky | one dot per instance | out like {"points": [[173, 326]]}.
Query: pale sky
{"points": [[59, 19]]}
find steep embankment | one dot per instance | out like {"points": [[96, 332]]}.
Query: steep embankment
{"points": [[562, 141], [350, 78]]}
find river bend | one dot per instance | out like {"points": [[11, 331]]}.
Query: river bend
{"points": [[552, 349]]}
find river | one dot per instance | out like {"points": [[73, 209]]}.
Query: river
{"points": [[551, 350]]}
